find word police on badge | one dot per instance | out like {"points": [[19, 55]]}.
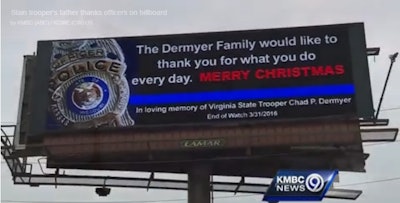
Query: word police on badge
{"points": [[87, 87]]}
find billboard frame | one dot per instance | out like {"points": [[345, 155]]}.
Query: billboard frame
{"points": [[358, 59]]}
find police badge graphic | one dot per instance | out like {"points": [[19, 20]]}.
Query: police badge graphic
{"points": [[87, 87]]}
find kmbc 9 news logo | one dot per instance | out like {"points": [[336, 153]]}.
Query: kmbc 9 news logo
{"points": [[291, 185]]}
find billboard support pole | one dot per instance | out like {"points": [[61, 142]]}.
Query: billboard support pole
{"points": [[392, 60], [199, 184]]}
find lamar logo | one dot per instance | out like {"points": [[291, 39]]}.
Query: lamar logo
{"points": [[202, 143]]}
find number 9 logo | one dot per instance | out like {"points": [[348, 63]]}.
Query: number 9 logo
{"points": [[314, 182]]}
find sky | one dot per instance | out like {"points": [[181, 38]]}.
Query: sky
{"points": [[381, 18]]}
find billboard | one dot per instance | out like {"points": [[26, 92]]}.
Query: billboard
{"points": [[237, 76]]}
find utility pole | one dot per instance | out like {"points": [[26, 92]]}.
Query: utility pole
{"points": [[199, 183]]}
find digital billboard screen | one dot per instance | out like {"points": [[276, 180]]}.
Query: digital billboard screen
{"points": [[270, 74]]}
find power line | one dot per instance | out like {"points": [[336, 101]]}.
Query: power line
{"points": [[8, 123], [149, 201], [391, 109], [375, 144], [370, 182], [184, 199], [141, 201]]}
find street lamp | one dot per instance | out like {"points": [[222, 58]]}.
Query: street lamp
{"points": [[392, 60], [374, 51]]}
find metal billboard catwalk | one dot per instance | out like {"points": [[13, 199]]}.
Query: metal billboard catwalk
{"points": [[22, 171]]}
